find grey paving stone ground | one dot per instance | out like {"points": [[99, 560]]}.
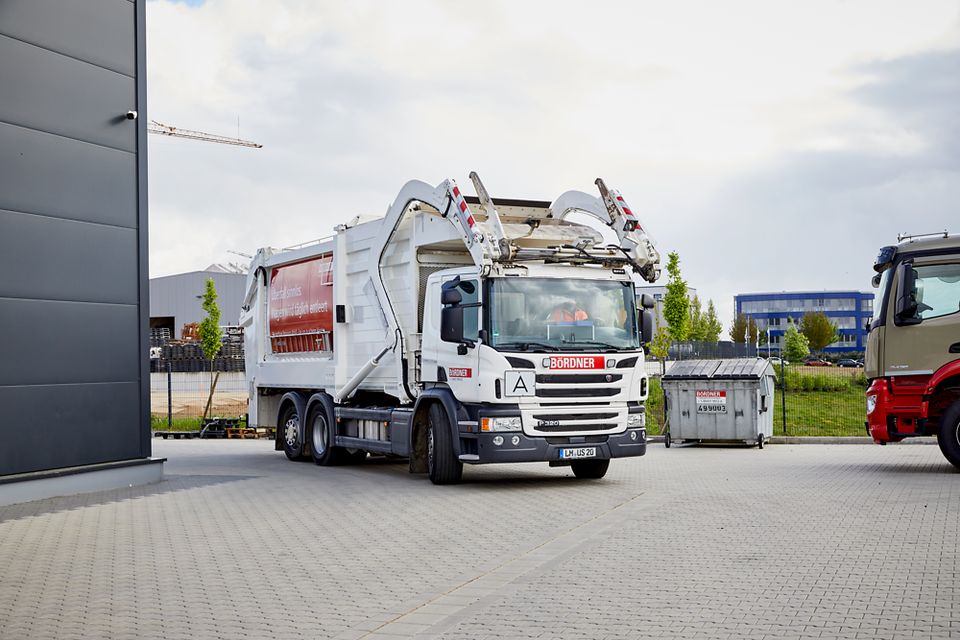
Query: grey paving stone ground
{"points": [[793, 541]]}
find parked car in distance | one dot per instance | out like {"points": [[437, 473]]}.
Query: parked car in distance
{"points": [[847, 362], [777, 360], [817, 362]]}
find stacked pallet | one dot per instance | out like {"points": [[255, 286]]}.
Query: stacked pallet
{"points": [[180, 356]]}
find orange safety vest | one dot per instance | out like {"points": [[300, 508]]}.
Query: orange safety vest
{"points": [[564, 315]]}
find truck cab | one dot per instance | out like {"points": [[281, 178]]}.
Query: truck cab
{"points": [[913, 347], [546, 362]]}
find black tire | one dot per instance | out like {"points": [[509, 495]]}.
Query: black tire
{"points": [[289, 431], [948, 435], [443, 467], [590, 469], [760, 441], [666, 440], [321, 436]]}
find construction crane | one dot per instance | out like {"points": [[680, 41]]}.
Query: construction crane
{"points": [[166, 130]]}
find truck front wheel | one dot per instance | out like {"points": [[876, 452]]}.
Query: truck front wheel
{"points": [[948, 436], [443, 467], [590, 469], [290, 432]]}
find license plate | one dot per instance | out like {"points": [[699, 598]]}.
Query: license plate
{"points": [[580, 452]]}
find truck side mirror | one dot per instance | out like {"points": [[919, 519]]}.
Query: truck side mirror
{"points": [[646, 326], [451, 324], [451, 315], [450, 297], [906, 309], [646, 301]]}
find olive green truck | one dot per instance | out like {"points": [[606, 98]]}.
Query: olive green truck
{"points": [[913, 346]]}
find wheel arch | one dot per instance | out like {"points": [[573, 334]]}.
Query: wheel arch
{"points": [[947, 375], [322, 398], [434, 395], [944, 393]]}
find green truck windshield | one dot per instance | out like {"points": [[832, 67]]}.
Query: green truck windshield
{"points": [[549, 314]]}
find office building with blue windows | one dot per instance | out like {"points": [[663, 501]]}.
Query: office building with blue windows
{"points": [[848, 310]]}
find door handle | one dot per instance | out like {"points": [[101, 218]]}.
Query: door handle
{"points": [[955, 347]]}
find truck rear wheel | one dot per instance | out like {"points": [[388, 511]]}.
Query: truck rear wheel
{"points": [[948, 436], [290, 432], [321, 437], [590, 469], [443, 467]]}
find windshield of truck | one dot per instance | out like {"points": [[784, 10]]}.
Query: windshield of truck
{"points": [[549, 314], [881, 301]]}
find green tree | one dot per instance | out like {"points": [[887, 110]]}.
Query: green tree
{"points": [[660, 345], [696, 321], [711, 324], [743, 327], [210, 334], [796, 346], [676, 303], [819, 330]]}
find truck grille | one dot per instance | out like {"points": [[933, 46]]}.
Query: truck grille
{"points": [[570, 403], [574, 416], [577, 392], [564, 428], [576, 420], [578, 378]]}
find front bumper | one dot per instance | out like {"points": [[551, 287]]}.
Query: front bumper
{"points": [[895, 416], [483, 450]]}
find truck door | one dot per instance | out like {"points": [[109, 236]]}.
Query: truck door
{"points": [[921, 344], [450, 363]]}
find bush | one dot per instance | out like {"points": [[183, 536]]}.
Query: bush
{"points": [[797, 381]]}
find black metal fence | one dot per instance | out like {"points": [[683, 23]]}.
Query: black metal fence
{"points": [[179, 399]]}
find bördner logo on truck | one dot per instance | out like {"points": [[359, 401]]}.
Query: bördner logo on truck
{"points": [[576, 362]]}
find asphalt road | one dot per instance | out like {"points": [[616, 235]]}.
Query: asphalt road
{"points": [[794, 541]]}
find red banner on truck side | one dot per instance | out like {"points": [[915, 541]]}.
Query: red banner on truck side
{"points": [[301, 306], [576, 362]]}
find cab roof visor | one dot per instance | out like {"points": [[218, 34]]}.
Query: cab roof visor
{"points": [[884, 258]]}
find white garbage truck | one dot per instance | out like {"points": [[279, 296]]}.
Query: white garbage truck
{"points": [[457, 330]]}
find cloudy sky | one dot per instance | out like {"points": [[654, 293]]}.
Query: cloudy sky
{"points": [[774, 145]]}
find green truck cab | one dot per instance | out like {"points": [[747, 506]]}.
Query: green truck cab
{"points": [[913, 346]]}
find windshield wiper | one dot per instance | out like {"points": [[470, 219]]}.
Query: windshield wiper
{"points": [[598, 343], [525, 346]]}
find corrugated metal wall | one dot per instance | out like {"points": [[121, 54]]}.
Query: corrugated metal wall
{"points": [[179, 297], [73, 234]]}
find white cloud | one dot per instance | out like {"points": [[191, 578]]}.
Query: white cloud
{"points": [[714, 119]]}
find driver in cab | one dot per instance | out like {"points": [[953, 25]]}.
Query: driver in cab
{"points": [[567, 312]]}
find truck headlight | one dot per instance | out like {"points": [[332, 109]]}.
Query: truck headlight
{"points": [[635, 420], [500, 424], [871, 404]]}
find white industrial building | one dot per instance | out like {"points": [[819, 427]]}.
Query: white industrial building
{"points": [[175, 300]]}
